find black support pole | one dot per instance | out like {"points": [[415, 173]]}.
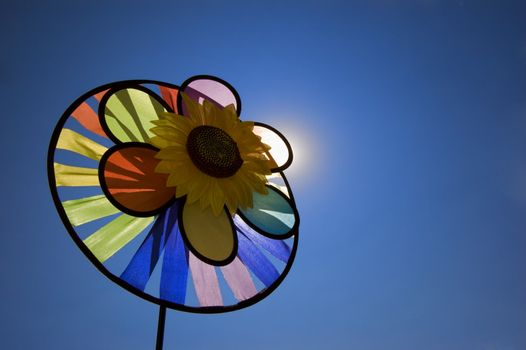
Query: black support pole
{"points": [[160, 328]]}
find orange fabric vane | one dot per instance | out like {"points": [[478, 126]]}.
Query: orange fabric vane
{"points": [[87, 117]]}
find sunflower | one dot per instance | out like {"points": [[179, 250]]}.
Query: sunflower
{"points": [[211, 156]]}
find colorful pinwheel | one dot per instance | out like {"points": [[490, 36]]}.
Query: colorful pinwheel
{"points": [[158, 183]]}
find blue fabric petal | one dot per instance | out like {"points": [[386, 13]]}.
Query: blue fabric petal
{"points": [[256, 261], [276, 247], [174, 274], [141, 266]]}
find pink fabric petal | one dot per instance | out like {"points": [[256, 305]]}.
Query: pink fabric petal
{"points": [[206, 283], [214, 90], [238, 278]]}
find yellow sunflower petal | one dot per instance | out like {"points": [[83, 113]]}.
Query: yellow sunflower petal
{"points": [[217, 198], [161, 143], [172, 153], [168, 133], [181, 191], [194, 109], [199, 185]]}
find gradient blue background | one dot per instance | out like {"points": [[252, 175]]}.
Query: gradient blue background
{"points": [[409, 122]]}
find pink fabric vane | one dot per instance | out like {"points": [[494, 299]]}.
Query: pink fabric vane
{"points": [[238, 278], [205, 282]]}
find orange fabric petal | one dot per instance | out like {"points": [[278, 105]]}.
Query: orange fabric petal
{"points": [[87, 117], [131, 182], [170, 96], [99, 95]]}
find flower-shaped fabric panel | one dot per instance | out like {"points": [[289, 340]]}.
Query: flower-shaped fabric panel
{"points": [[168, 191]]}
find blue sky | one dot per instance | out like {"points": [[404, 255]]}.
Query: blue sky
{"points": [[408, 119]]}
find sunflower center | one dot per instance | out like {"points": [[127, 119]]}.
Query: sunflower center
{"points": [[213, 151]]}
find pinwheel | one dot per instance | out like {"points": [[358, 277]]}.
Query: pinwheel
{"points": [[172, 196]]}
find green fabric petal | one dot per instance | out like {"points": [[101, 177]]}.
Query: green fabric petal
{"points": [[129, 114], [83, 210], [110, 238]]}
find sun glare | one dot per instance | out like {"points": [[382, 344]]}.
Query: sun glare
{"points": [[305, 164]]}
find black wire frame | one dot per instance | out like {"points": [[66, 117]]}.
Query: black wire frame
{"points": [[141, 294]]}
